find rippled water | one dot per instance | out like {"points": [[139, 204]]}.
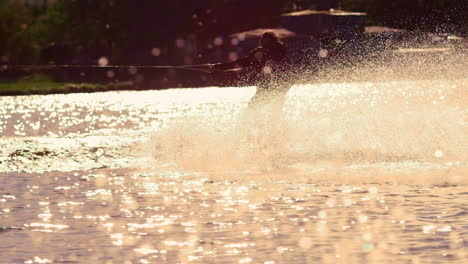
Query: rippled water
{"points": [[349, 173]]}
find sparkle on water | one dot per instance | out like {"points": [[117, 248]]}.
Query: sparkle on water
{"points": [[357, 172]]}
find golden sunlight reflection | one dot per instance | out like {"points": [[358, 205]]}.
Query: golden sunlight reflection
{"points": [[350, 172]]}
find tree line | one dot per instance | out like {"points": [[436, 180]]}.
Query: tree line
{"points": [[88, 29]]}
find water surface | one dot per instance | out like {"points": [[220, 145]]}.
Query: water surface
{"points": [[363, 172]]}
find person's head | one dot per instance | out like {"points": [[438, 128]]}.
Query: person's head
{"points": [[270, 39]]}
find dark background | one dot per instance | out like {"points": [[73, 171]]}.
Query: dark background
{"points": [[127, 31]]}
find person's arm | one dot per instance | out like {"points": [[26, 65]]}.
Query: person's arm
{"points": [[241, 63], [254, 56]]}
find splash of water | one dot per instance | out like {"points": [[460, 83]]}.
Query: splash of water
{"points": [[390, 123]]}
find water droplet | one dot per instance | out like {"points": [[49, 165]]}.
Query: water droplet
{"points": [[132, 70], [218, 41], [348, 202], [110, 74], [103, 61], [156, 52], [139, 78], [363, 218], [322, 214], [246, 260], [439, 153], [234, 41], [373, 190], [233, 56], [180, 43], [322, 53], [267, 70], [367, 236]]}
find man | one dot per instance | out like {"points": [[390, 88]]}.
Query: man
{"points": [[266, 66], [261, 124]]}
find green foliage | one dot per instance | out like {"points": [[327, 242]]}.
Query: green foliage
{"points": [[32, 85], [36, 77], [113, 28], [53, 25], [17, 44], [28, 87], [67, 22]]}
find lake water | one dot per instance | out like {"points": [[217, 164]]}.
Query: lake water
{"points": [[356, 172]]}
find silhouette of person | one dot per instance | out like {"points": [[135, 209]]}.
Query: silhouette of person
{"points": [[266, 67]]}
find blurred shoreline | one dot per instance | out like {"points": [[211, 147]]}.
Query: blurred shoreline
{"points": [[404, 64], [377, 54]]}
